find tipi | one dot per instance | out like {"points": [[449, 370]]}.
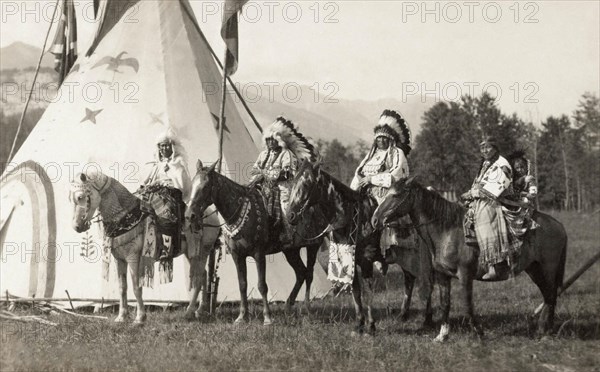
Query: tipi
{"points": [[148, 69]]}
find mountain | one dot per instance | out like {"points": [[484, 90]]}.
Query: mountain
{"points": [[331, 118], [19, 55], [319, 114]]}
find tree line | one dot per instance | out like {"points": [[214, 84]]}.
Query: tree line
{"points": [[564, 150]]}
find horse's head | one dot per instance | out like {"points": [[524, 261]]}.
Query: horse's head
{"points": [[85, 196], [304, 192], [398, 202], [202, 190]]}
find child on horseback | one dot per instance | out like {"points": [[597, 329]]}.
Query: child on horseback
{"points": [[524, 184]]}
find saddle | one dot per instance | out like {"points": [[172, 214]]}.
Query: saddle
{"points": [[167, 205], [271, 196]]}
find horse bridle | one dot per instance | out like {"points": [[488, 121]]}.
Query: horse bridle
{"points": [[310, 193], [88, 200], [408, 226], [212, 198]]}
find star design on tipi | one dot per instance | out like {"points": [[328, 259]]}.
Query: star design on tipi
{"points": [[216, 120], [90, 115], [157, 118]]}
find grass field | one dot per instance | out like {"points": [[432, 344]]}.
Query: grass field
{"points": [[322, 340]]}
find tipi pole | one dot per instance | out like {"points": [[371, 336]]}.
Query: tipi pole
{"points": [[37, 70], [573, 278], [235, 89], [222, 117], [211, 258]]}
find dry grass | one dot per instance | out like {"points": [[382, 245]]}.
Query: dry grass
{"points": [[322, 340]]}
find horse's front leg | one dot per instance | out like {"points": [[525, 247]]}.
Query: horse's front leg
{"points": [[409, 283], [122, 274], [197, 280], [295, 261], [311, 259], [368, 291], [466, 276], [140, 317], [261, 268], [444, 283], [240, 265], [356, 295]]}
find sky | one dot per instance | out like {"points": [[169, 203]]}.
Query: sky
{"points": [[536, 57]]}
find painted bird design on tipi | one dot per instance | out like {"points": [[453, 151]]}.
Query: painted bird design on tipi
{"points": [[113, 63]]}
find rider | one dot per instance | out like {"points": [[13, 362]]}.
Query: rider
{"points": [[168, 185], [386, 161], [274, 170], [485, 214], [524, 184]]}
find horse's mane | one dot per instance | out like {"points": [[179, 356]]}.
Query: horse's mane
{"points": [[340, 187], [117, 200], [230, 182], [435, 207]]}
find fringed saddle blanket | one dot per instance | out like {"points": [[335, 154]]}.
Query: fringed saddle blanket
{"points": [[498, 231], [342, 255], [341, 262]]}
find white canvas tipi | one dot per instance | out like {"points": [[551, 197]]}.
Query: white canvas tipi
{"points": [[150, 68]]}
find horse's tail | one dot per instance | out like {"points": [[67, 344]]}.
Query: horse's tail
{"points": [[560, 274]]}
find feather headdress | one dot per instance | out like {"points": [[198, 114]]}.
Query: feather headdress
{"points": [[393, 126], [288, 136]]}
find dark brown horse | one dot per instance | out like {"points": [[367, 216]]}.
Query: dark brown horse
{"points": [[348, 213], [248, 232], [439, 223]]}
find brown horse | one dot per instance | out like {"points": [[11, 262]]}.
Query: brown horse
{"points": [[249, 233], [439, 223], [348, 213], [94, 191]]}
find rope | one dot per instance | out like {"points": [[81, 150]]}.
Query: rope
{"points": [[37, 70]]}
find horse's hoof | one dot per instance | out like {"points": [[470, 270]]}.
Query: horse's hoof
{"points": [[268, 322], [356, 334], [189, 315], [372, 329], [441, 338], [121, 319], [240, 320], [140, 319], [444, 333]]}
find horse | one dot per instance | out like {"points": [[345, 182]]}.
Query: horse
{"points": [[92, 191], [439, 224], [249, 232], [348, 213]]}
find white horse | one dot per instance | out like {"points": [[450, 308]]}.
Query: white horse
{"points": [[93, 191]]}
